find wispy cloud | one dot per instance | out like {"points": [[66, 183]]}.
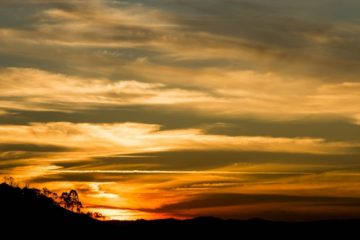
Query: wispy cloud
{"points": [[136, 137], [265, 96], [297, 42], [92, 24], [32, 89], [180, 172]]}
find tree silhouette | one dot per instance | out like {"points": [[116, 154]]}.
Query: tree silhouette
{"points": [[70, 200], [96, 215], [50, 194], [10, 181]]}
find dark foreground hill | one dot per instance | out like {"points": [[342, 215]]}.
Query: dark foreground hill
{"points": [[26, 212]]}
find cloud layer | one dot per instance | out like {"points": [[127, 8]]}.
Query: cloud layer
{"points": [[246, 94], [184, 108]]}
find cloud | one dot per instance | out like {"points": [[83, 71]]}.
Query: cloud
{"points": [[244, 206], [215, 200], [283, 38], [83, 149], [264, 96], [343, 97], [177, 172], [322, 195], [7, 147], [92, 24], [32, 89], [155, 46], [136, 137], [160, 103]]}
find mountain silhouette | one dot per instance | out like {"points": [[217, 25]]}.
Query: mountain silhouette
{"points": [[28, 212]]}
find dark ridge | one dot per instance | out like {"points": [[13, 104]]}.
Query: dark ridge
{"points": [[27, 212]]}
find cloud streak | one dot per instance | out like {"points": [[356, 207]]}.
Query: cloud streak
{"points": [[126, 138], [36, 90], [32, 89], [179, 172]]}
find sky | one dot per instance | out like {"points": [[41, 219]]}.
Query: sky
{"points": [[184, 108]]}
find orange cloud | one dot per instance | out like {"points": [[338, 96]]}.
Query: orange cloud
{"points": [[126, 138]]}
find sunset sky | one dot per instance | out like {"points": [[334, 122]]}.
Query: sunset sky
{"points": [[185, 108]]}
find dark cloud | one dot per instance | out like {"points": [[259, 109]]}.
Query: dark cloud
{"points": [[341, 130], [301, 38], [83, 177], [14, 156], [218, 200], [29, 147], [13, 159], [306, 38], [275, 207], [209, 160]]}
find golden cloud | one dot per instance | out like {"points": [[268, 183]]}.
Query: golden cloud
{"points": [[123, 138], [32, 89], [227, 93]]}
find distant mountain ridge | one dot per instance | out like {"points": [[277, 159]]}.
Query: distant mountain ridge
{"points": [[28, 212]]}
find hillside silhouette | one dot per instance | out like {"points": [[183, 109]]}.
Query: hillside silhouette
{"points": [[29, 212], [30, 209]]}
